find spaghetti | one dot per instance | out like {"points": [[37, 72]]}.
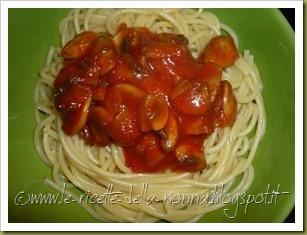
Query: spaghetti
{"points": [[229, 151]]}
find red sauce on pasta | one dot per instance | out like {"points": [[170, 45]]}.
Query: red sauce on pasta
{"points": [[145, 92]]}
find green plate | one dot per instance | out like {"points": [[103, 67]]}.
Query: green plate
{"points": [[263, 31]]}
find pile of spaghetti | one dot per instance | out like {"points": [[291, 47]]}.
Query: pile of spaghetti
{"points": [[92, 165]]}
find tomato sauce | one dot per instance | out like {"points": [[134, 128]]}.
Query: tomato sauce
{"points": [[145, 92]]}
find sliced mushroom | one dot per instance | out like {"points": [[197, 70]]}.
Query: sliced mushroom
{"points": [[221, 50], [196, 125], [190, 155], [211, 73], [191, 97], [125, 128], [153, 113], [148, 146], [78, 46], [121, 96], [131, 40], [169, 134], [74, 120], [99, 118], [225, 110], [103, 53]]}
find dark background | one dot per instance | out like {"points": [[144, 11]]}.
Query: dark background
{"points": [[289, 14]]}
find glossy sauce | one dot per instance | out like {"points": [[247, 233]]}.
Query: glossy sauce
{"points": [[145, 92]]}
